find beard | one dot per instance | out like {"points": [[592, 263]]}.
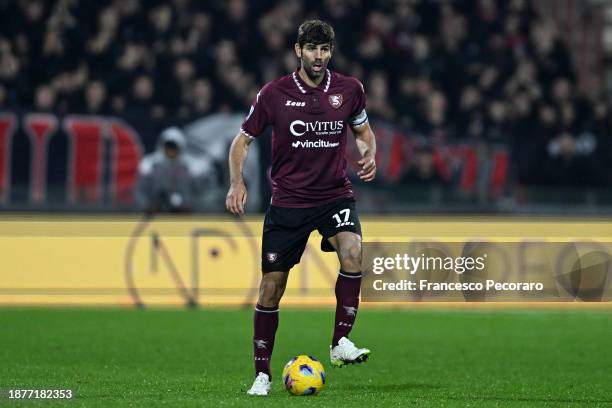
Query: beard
{"points": [[311, 72]]}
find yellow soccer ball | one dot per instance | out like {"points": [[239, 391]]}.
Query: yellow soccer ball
{"points": [[304, 375]]}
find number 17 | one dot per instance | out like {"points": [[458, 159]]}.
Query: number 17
{"points": [[347, 214]]}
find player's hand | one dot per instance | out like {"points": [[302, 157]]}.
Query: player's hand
{"points": [[368, 168], [236, 198]]}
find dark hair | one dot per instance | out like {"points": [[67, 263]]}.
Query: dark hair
{"points": [[315, 32]]}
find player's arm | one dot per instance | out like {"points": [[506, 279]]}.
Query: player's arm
{"points": [[256, 121], [366, 143], [237, 194]]}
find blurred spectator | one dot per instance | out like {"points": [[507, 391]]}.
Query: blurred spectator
{"points": [[95, 97], [422, 170], [169, 180], [378, 96], [570, 160], [495, 126], [44, 98]]}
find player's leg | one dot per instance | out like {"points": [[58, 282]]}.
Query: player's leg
{"points": [[265, 319], [348, 285], [341, 232], [284, 241], [265, 323]]}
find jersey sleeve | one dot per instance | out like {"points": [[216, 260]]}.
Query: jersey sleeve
{"points": [[259, 116], [359, 117]]}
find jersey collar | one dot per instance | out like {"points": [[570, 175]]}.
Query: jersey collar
{"points": [[305, 88]]}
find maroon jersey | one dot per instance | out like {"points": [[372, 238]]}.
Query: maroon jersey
{"points": [[309, 136]]}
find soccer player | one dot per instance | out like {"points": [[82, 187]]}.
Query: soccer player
{"points": [[310, 112]]}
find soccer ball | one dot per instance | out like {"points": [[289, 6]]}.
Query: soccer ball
{"points": [[304, 375]]}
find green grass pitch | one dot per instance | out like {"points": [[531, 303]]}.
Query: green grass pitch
{"points": [[202, 358]]}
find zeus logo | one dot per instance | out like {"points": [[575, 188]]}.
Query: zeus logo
{"points": [[294, 103], [299, 127]]}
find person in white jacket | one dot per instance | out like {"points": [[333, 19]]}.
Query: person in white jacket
{"points": [[169, 180]]}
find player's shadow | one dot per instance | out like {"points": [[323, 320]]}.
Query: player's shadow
{"points": [[389, 387]]}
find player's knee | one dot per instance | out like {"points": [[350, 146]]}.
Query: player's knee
{"points": [[350, 254]]}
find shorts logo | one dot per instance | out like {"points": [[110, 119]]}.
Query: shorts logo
{"points": [[271, 257], [335, 100]]}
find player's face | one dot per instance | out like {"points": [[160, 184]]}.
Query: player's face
{"points": [[314, 58]]}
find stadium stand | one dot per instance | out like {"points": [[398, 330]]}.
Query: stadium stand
{"points": [[483, 94]]}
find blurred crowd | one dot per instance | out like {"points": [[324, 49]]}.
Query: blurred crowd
{"points": [[490, 70]]}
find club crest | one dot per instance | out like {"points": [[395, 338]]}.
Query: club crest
{"points": [[335, 100], [271, 256]]}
